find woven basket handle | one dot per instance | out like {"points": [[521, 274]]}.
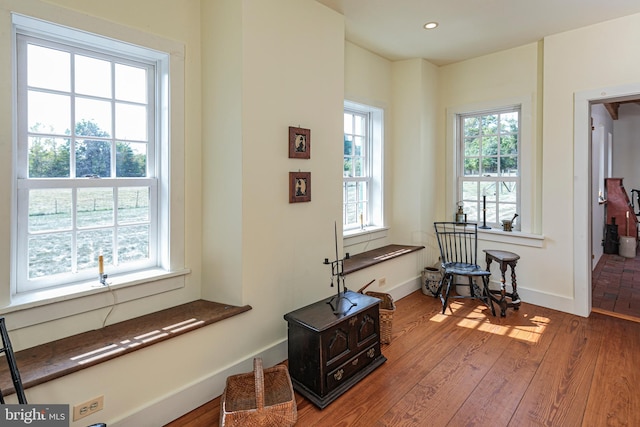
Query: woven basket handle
{"points": [[365, 286], [259, 376]]}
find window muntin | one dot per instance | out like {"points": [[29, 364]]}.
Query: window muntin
{"points": [[489, 165], [86, 163]]}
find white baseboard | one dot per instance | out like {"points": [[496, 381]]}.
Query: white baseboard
{"points": [[403, 289], [193, 395]]}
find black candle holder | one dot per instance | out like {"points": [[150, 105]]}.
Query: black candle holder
{"points": [[337, 274], [484, 225]]}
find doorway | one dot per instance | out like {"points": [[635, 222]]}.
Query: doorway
{"points": [[582, 189], [615, 281]]}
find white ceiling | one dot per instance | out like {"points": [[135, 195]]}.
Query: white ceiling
{"points": [[468, 28]]}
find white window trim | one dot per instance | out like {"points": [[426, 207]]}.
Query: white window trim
{"points": [[376, 228], [528, 234], [46, 305]]}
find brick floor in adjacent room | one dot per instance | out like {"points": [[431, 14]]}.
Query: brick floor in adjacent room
{"points": [[616, 285]]}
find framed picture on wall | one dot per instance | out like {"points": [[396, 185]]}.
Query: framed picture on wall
{"points": [[299, 143], [299, 187]]}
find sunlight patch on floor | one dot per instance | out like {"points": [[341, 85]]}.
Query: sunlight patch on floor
{"points": [[526, 328]]}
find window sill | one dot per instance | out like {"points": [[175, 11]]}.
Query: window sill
{"points": [[53, 360], [358, 235], [376, 256], [31, 308], [512, 237]]}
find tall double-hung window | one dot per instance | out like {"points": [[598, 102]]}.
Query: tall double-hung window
{"points": [[362, 168], [489, 165], [87, 157]]}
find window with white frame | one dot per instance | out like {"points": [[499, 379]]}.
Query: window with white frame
{"points": [[89, 150], [489, 165], [362, 168]]}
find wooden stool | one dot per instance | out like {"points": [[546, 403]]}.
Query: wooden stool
{"points": [[505, 259]]}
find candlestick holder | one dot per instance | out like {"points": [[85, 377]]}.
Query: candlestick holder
{"points": [[103, 279], [337, 275], [484, 225]]}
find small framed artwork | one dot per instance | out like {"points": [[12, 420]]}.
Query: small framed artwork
{"points": [[299, 143], [299, 187]]}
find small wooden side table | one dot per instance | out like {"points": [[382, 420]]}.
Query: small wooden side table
{"points": [[506, 299]]}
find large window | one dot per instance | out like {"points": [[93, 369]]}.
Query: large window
{"points": [[88, 156], [489, 165], [362, 168]]}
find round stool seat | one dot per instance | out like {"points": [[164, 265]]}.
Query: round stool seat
{"points": [[502, 255]]}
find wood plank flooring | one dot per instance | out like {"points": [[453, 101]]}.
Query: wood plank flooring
{"points": [[535, 367]]}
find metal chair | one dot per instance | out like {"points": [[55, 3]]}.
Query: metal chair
{"points": [[458, 243], [13, 367]]}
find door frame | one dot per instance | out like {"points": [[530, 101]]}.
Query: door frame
{"points": [[582, 237]]}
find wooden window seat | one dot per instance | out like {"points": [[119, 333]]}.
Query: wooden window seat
{"points": [[376, 256], [55, 359]]}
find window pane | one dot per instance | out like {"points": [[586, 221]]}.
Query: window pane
{"points": [[131, 160], [490, 124], [352, 195], [49, 113], [360, 123], [133, 243], [490, 146], [471, 209], [507, 211], [470, 190], [348, 167], [348, 123], [490, 166], [509, 166], [131, 122], [509, 122], [49, 210], [471, 126], [92, 76], [133, 205], [471, 167], [48, 68], [508, 191], [362, 191], [131, 83], [93, 117], [93, 159], [491, 212], [488, 189], [94, 207], [351, 214], [509, 145], [358, 146], [49, 157], [92, 244], [358, 167], [49, 254], [471, 146], [348, 145]]}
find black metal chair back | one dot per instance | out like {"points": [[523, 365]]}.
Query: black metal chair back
{"points": [[458, 242], [13, 367]]}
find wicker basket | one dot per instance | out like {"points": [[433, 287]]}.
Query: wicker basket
{"points": [[263, 397], [387, 308]]}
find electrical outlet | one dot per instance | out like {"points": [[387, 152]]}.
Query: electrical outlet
{"points": [[87, 408], [382, 281]]}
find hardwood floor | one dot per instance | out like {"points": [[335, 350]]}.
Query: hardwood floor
{"points": [[535, 367]]}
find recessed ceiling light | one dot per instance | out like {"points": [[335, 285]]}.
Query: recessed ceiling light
{"points": [[430, 25]]}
